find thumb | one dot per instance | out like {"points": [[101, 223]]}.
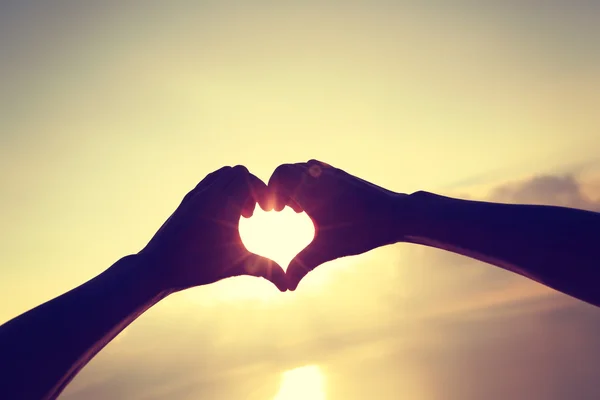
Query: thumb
{"points": [[263, 267], [308, 259]]}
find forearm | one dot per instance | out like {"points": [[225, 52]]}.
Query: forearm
{"points": [[556, 246], [43, 349]]}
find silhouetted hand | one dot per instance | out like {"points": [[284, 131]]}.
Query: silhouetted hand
{"points": [[200, 243], [351, 216]]}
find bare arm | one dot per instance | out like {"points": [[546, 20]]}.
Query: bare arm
{"points": [[556, 246], [43, 349]]}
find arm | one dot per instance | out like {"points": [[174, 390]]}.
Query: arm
{"points": [[556, 246], [42, 350]]}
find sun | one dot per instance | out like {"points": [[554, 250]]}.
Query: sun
{"points": [[301, 384], [277, 235]]}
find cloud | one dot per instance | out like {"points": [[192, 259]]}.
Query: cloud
{"points": [[441, 283], [565, 191]]}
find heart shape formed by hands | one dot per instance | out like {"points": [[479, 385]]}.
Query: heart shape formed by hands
{"points": [[278, 236]]}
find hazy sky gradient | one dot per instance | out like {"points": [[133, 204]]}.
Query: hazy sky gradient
{"points": [[111, 111]]}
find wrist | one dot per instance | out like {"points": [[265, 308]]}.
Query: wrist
{"points": [[410, 214], [149, 273]]}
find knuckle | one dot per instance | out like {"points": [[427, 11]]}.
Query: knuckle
{"points": [[280, 172], [216, 174], [283, 167], [222, 170], [188, 197], [315, 171], [313, 161], [240, 169]]}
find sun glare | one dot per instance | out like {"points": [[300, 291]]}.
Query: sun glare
{"points": [[301, 384], [277, 235]]}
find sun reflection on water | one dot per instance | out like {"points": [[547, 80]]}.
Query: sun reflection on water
{"points": [[302, 383]]}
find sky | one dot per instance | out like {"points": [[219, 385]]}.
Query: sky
{"points": [[110, 112]]}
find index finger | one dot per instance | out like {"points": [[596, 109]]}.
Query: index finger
{"points": [[287, 186], [259, 193], [245, 190]]}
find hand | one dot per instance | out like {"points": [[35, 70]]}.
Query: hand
{"points": [[351, 216], [200, 243]]}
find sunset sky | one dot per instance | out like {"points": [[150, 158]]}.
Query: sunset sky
{"points": [[111, 111]]}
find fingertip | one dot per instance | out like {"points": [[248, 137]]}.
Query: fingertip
{"points": [[248, 208], [268, 205], [261, 193], [267, 200], [295, 206], [281, 200], [295, 272], [248, 213], [277, 276], [292, 286], [282, 287], [279, 206], [269, 270]]}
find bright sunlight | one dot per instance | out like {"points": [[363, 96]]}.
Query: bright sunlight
{"points": [[277, 235], [301, 384]]}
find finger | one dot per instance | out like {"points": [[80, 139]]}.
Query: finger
{"points": [[316, 168], [255, 265], [321, 163], [259, 191], [279, 184], [308, 259], [316, 163], [253, 194], [238, 189], [258, 194], [245, 190], [248, 208], [293, 204], [206, 182], [210, 178], [285, 185]]}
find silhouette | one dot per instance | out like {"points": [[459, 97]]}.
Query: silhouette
{"points": [[43, 349], [556, 246]]}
